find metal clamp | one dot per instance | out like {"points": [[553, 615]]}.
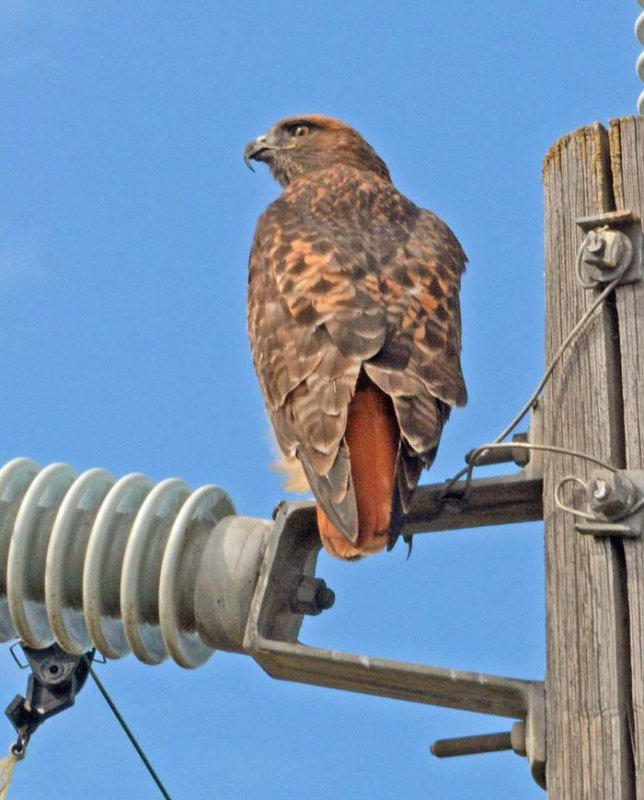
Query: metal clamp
{"points": [[612, 248], [615, 503], [286, 589], [56, 677]]}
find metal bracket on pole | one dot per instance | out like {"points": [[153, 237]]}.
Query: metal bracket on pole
{"points": [[616, 504], [56, 678], [612, 247], [273, 627], [175, 572]]}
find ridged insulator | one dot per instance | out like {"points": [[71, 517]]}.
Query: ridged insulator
{"points": [[91, 561]]}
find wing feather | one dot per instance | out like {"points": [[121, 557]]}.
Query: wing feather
{"points": [[338, 287]]}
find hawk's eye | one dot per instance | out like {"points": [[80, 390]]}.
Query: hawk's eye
{"points": [[299, 130]]}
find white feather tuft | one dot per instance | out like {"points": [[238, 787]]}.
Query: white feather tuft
{"points": [[291, 469]]}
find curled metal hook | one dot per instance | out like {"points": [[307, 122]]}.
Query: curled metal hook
{"points": [[569, 509]]}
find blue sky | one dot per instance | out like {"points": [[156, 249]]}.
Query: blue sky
{"points": [[125, 222]]}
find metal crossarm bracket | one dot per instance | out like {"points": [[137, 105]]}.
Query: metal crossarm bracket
{"points": [[484, 501], [56, 677], [612, 248], [201, 578], [273, 628]]}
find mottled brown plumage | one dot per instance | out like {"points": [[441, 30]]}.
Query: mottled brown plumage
{"points": [[352, 288]]}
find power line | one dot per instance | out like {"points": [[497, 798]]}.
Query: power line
{"points": [[579, 327], [129, 733]]}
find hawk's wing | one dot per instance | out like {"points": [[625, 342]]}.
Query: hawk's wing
{"points": [[314, 315], [330, 292], [419, 365]]}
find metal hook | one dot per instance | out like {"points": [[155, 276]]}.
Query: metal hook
{"points": [[19, 747], [563, 506]]}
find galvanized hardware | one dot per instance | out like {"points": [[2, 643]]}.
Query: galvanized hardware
{"points": [[181, 566], [611, 494], [273, 628], [607, 250], [616, 504], [618, 529], [520, 455], [19, 747], [484, 501], [514, 739], [502, 455], [207, 579], [472, 745], [612, 248], [56, 678], [310, 596], [526, 738], [14, 647]]}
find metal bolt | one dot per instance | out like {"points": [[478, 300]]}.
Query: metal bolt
{"points": [[610, 494], [606, 249], [518, 738], [310, 596], [595, 243], [472, 745], [600, 489], [614, 249], [53, 671]]}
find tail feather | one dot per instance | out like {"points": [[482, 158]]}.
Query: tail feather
{"points": [[408, 470], [372, 437], [383, 470]]}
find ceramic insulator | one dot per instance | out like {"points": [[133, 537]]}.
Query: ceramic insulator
{"points": [[91, 561]]}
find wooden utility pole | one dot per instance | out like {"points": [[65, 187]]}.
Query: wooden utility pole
{"points": [[594, 403]]}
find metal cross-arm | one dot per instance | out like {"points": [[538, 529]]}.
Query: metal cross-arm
{"points": [[164, 571]]}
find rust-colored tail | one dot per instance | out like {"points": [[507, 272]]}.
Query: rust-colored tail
{"points": [[372, 436]]}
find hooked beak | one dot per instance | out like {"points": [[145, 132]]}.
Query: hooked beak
{"points": [[254, 149]]}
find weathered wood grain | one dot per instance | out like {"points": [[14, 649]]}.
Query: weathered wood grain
{"points": [[587, 688], [627, 161]]}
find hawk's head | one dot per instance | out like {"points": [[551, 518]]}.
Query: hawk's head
{"points": [[300, 145]]}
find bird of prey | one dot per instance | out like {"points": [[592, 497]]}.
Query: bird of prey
{"points": [[354, 325]]}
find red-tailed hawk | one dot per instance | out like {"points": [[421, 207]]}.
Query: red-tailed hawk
{"points": [[355, 330]]}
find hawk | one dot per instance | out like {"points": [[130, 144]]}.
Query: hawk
{"points": [[354, 326]]}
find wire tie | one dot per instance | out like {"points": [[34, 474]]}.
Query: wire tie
{"points": [[562, 506]]}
